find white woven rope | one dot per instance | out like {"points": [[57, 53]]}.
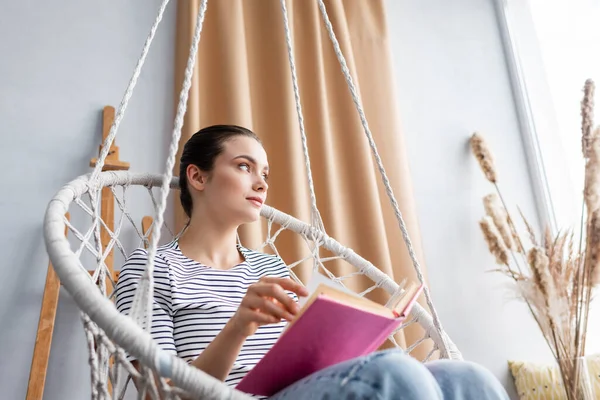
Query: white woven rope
{"points": [[126, 334], [316, 219], [120, 328], [128, 92], [100, 369], [99, 361], [285, 222], [388, 188], [142, 304]]}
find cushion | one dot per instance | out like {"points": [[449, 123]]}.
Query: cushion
{"points": [[542, 381]]}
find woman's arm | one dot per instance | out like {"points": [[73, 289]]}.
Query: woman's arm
{"points": [[265, 302], [219, 356]]}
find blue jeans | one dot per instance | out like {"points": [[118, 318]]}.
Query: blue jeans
{"points": [[391, 374]]}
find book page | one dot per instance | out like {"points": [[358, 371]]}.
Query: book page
{"points": [[317, 279]]}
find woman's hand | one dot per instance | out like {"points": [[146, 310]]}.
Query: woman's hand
{"points": [[266, 302]]}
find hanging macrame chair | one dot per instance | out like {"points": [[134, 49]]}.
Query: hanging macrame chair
{"points": [[111, 335]]}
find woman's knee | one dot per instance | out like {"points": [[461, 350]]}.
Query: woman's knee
{"points": [[390, 372], [466, 379]]}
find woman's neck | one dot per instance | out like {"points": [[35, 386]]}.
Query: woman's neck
{"points": [[210, 243]]}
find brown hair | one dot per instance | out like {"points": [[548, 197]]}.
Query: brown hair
{"points": [[201, 150]]}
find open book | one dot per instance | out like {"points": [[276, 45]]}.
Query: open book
{"points": [[333, 325]]}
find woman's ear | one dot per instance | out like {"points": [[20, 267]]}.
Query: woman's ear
{"points": [[196, 178]]}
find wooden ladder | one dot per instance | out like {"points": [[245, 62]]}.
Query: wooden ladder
{"points": [[43, 341]]}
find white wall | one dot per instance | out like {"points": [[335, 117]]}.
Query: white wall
{"points": [[452, 80], [62, 62]]}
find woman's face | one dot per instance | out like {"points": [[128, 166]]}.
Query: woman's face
{"points": [[235, 190]]}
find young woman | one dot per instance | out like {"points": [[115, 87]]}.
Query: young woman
{"points": [[221, 306]]}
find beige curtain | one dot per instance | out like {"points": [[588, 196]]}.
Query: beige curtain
{"points": [[243, 77]]}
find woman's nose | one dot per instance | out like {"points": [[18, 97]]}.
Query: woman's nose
{"points": [[261, 185]]}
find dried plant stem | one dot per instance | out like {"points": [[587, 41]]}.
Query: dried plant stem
{"points": [[577, 281], [591, 260], [582, 282], [559, 345], [535, 317], [592, 202], [590, 155], [521, 249], [553, 349], [513, 229]]}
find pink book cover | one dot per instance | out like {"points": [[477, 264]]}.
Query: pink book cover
{"points": [[327, 333]]}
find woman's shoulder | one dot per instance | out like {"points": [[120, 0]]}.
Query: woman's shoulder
{"points": [[133, 269], [138, 258]]}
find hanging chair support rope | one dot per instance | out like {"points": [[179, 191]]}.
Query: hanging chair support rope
{"points": [[386, 182], [128, 93], [316, 219], [145, 290]]}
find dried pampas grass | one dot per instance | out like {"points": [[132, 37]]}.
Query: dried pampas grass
{"points": [[484, 156], [493, 208], [539, 262], [493, 238], [587, 116], [593, 248], [592, 174], [556, 276]]}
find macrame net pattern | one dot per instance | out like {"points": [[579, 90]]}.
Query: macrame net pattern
{"points": [[111, 335], [108, 362]]}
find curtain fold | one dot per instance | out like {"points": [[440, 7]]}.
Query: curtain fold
{"points": [[243, 77]]}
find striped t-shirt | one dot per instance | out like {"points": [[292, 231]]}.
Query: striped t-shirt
{"points": [[193, 302]]}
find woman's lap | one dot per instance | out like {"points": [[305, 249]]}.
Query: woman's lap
{"points": [[390, 374]]}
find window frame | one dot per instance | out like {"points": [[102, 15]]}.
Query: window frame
{"points": [[548, 167]]}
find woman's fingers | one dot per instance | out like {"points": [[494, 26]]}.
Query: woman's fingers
{"points": [[269, 307], [287, 284], [276, 292], [267, 301], [261, 318]]}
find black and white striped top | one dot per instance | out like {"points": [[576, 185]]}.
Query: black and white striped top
{"points": [[193, 302]]}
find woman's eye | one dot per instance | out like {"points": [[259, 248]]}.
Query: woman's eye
{"points": [[266, 177], [245, 166]]}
